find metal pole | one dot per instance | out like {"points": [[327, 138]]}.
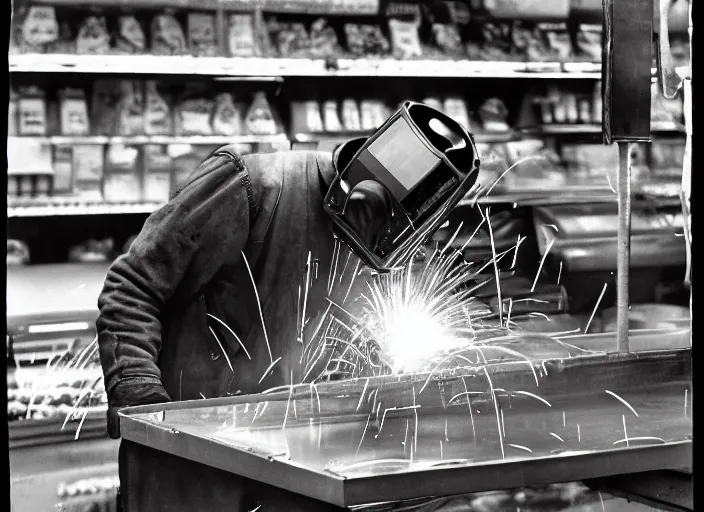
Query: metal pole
{"points": [[624, 244]]}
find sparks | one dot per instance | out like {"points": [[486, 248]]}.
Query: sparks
{"points": [[579, 434], [622, 401], [222, 348], [542, 261], [532, 396], [268, 370], [524, 448], [557, 437], [625, 433], [496, 267], [259, 306], [233, 334], [496, 408], [644, 438], [559, 274], [365, 432], [596, 306]]}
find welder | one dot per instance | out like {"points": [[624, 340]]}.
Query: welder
{"points": [[204, 303]]}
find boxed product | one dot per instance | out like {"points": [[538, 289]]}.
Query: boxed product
{"points": [[494, 162], [130, 112], [351, 118], [493, 115], [405, 42], [130, 38], [73, 112], [88, 171], [157, 113], [241, 36], [589, 42], [105, 107], [63, 170], [493, 41], [38, 29], [157, 174], [32, 112], [93, 37], [364, 39], [447, 38], [193, 113], [167, 36], [202, 35], [260, 118], [456, 108], [306, 117], [331, 119], [291, 39], [122, 180], [228, 117], [323, 39], [535, 166]]}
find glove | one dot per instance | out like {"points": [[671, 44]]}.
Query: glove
{"points": [[127, 394]]}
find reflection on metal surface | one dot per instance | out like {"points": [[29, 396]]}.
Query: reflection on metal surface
{"points": [[562, 413]]}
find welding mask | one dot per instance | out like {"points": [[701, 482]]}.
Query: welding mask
{"points": [[394, 189]]}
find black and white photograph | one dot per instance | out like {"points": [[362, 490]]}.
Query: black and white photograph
{"points": [[307, 256]]}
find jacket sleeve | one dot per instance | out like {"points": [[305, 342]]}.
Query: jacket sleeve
{"points": [[204, 222]]}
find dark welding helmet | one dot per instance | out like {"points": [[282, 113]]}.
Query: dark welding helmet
{"points": [[396, 188]]}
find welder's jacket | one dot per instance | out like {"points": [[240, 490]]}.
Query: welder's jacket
{"points": [[166, 302]]}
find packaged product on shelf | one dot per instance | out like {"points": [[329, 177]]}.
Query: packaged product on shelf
{"points": [[367, 115], [130, 38], [292, 39], [364, 39], [597, 103], [92, 251], [105, 106], [460, 13], [202, 35], [32, 111], [13, 186], [26, 185], [260, 118], [43, 185], [589, 42], [63, 170], [74, 112], [350, 115], [157, 174], [456, 108], [227, 118], [330, 116], [584, 106], [447, 38], [669, 113], [194, 111], [492, 41], [306, 117], [557, 37], [17, 254], [130, 113], [39, 28], [167, 36], [12, 114], [122, 181], [88, 167], [157, 113], [93, 37], [240, 35], [323, 39], [405, 42], [493, 115], [536, 166], [570, 102], [66, 43]]}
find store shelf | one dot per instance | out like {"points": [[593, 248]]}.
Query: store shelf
{"points": [[50, 207], [268, 67], [214, 140], [275, 6], [575, 129], [49, 431]]}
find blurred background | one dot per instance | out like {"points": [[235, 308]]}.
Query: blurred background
{"points": [[114, 102]]}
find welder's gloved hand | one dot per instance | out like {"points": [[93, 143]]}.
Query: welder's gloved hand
{"points": [[368, 210], [127, 394]]}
